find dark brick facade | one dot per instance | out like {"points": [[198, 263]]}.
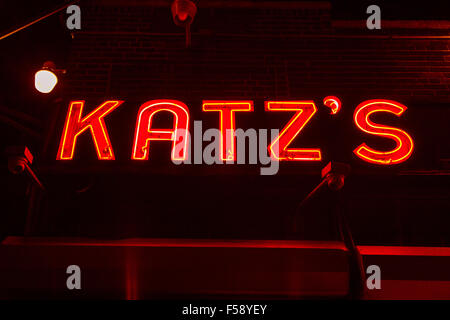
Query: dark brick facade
{"points": [[282, 51], [250, 50]]}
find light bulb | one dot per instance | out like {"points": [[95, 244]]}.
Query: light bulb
{"points": [[45, 81]]}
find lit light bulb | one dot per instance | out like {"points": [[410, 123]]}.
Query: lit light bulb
{"points": [[45, 81]]}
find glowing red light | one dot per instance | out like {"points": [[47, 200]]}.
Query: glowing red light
{"points": [[333, 103], [75, 125], [279, 149], [182, 16], [227, 123], [404, 142], [144, 132], [304, 110]]}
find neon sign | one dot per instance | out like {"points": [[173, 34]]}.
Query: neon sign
{"points": [[278, 149], [75, 125], [227, 111], [403, 140], [144, 134], [304, 110]]}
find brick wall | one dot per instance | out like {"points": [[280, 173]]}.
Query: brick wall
{"points": [[251, 53], [136, 53]]}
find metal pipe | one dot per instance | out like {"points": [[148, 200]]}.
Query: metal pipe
{"points": [[17, 29], [312, 193], [34, 177]]}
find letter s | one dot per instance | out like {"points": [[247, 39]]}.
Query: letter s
{"points": [[403, 140]]}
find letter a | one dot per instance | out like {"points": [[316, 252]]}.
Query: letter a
{"points": [[74, 280], [374, 20]]}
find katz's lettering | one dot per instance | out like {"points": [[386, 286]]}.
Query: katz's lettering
{"points": [[227, 111], [279, 148], [404, 142], [304, 110], [75, 125], [144, 132]]}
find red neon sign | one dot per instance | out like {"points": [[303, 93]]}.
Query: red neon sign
{"points": [[333, 103], [279, 147], [227, 110], [304, 110], [75, 125], [403, 140], [144, 132]]}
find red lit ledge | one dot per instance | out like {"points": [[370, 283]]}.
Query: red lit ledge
{"points": [[177, 243], [404, 251], [156, 268], [152, 268]]}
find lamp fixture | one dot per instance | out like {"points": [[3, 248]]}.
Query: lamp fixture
{"points": [[46, 78]]}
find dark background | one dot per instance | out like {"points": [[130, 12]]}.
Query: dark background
{"points": [[247, 50]]}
